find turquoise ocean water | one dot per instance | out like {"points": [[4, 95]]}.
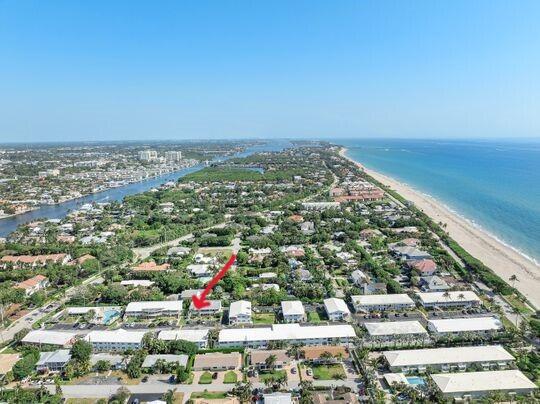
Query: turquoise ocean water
{"points": [[494, 184]]}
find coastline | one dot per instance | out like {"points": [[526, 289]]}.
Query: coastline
{"points": [[501, 258]]}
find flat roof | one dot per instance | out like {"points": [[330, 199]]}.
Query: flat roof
{"points": [[240, 307], [120, 335], [48, 337], [373, 300], [172, 305], [465, 324], [292, 308], [59, 356], [218, 358], [150, 360], [187, 335], [395, 328], [454, 296], [279, 332], [482, 381], [435, 356], [333, 305]]}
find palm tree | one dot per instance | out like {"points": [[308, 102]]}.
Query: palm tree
{"points": [[295, 351], [446, 294], [306, 392], [243, 391], [270, 362], [169, 396], [326, 356]]}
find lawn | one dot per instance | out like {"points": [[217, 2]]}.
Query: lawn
{"points": [[209, 395], [517, 304], [264, 318], [206, 378], [275, 373], [328, 372], [313, 317], [230, 377]]}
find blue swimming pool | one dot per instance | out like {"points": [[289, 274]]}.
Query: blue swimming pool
{"points": [[110, 315], [415, 381]]}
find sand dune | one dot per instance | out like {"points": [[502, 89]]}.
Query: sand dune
{"points": [[502, 259]]}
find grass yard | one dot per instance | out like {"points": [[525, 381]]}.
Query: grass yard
{"points": [[275, 373], [206, 378], [209, 395], [230, 377], [328, 372], [83, 400], [264, 318], [313, 317], [517, 304]]}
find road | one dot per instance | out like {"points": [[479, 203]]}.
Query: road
{"points": [[37, 314]]}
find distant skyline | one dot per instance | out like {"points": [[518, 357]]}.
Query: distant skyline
{"points": [[134, 70]]}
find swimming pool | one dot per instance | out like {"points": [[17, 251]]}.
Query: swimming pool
{"points": [[110, 315], [415, 381]]}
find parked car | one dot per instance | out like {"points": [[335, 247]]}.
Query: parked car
{"points": [[214, 375]]}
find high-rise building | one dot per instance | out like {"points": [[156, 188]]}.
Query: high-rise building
{"points": [[147, 155], [173, 155]]}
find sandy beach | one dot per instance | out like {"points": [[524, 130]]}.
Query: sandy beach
{"points": [[502, 259]]}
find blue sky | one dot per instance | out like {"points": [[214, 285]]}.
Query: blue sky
{"points": [[93, 70]]}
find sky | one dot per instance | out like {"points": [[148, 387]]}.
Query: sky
{"points": [[147, 70]]}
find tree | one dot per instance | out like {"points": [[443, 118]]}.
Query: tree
{"points": [[81, 351], [243, 391], [168, 397], [270, 362], [306, 392], [182, 375], [121, 396], [326, 356], [103, 366], [513, 279]]}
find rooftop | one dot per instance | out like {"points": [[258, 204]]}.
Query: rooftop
{"points": [[333, 305], [120, 336], [465, 324], [395, 328], [169, 305], [482, 381], [292, 308], [465, 354], [368, 300], [454, 296]]}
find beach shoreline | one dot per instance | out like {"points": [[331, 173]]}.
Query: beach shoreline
{"points": [[501, 258]]}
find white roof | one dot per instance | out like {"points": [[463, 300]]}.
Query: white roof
{"points": [[187, 335], [48, 337], [155, 305], [465, 324], [482, 381], [198, 268], [137, 282], [150, 360], [392, 378], [279, 332], [59, 356], [358, 275], [120, 336], [278, 398], [293, 308], [333, 305], [240, 307], [373, 300], [454, 296], [436, 356], [395, 328]]}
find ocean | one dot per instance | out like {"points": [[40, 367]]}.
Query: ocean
{"points": [[495, 184]]}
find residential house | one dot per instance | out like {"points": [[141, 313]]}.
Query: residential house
{"points": [[293, 311], [259, 358], [240, 312], [54, 361], [218, 361], [33, 285]]}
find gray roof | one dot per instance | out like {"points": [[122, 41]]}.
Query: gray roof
{"points": [[150, 360], [59, 356]]}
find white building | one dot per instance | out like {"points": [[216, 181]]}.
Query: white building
{"points": [[199, 270], [448, 359], [147, 155], [240, 312], [150, 360], [320, 205], [49, 337], [458, 326], [394, 330], [198, 336], [291, 333], [115, 341], [55, 361], [367, 303], [164, 308], [173, 155], [460, 298], [213, 309], [337, 309], [136, 283], [472, 385], [293, 311]]}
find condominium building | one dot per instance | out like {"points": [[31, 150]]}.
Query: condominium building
{"points": [[337, 309], [115, 341], [240, 312], [293, 311], [197, 336], [367, 303], [461, 298], [448, 359], [291, 333], [461, 326], [164, 308]]}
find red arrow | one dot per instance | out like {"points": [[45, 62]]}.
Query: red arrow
{"points": [[199, 301]]}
